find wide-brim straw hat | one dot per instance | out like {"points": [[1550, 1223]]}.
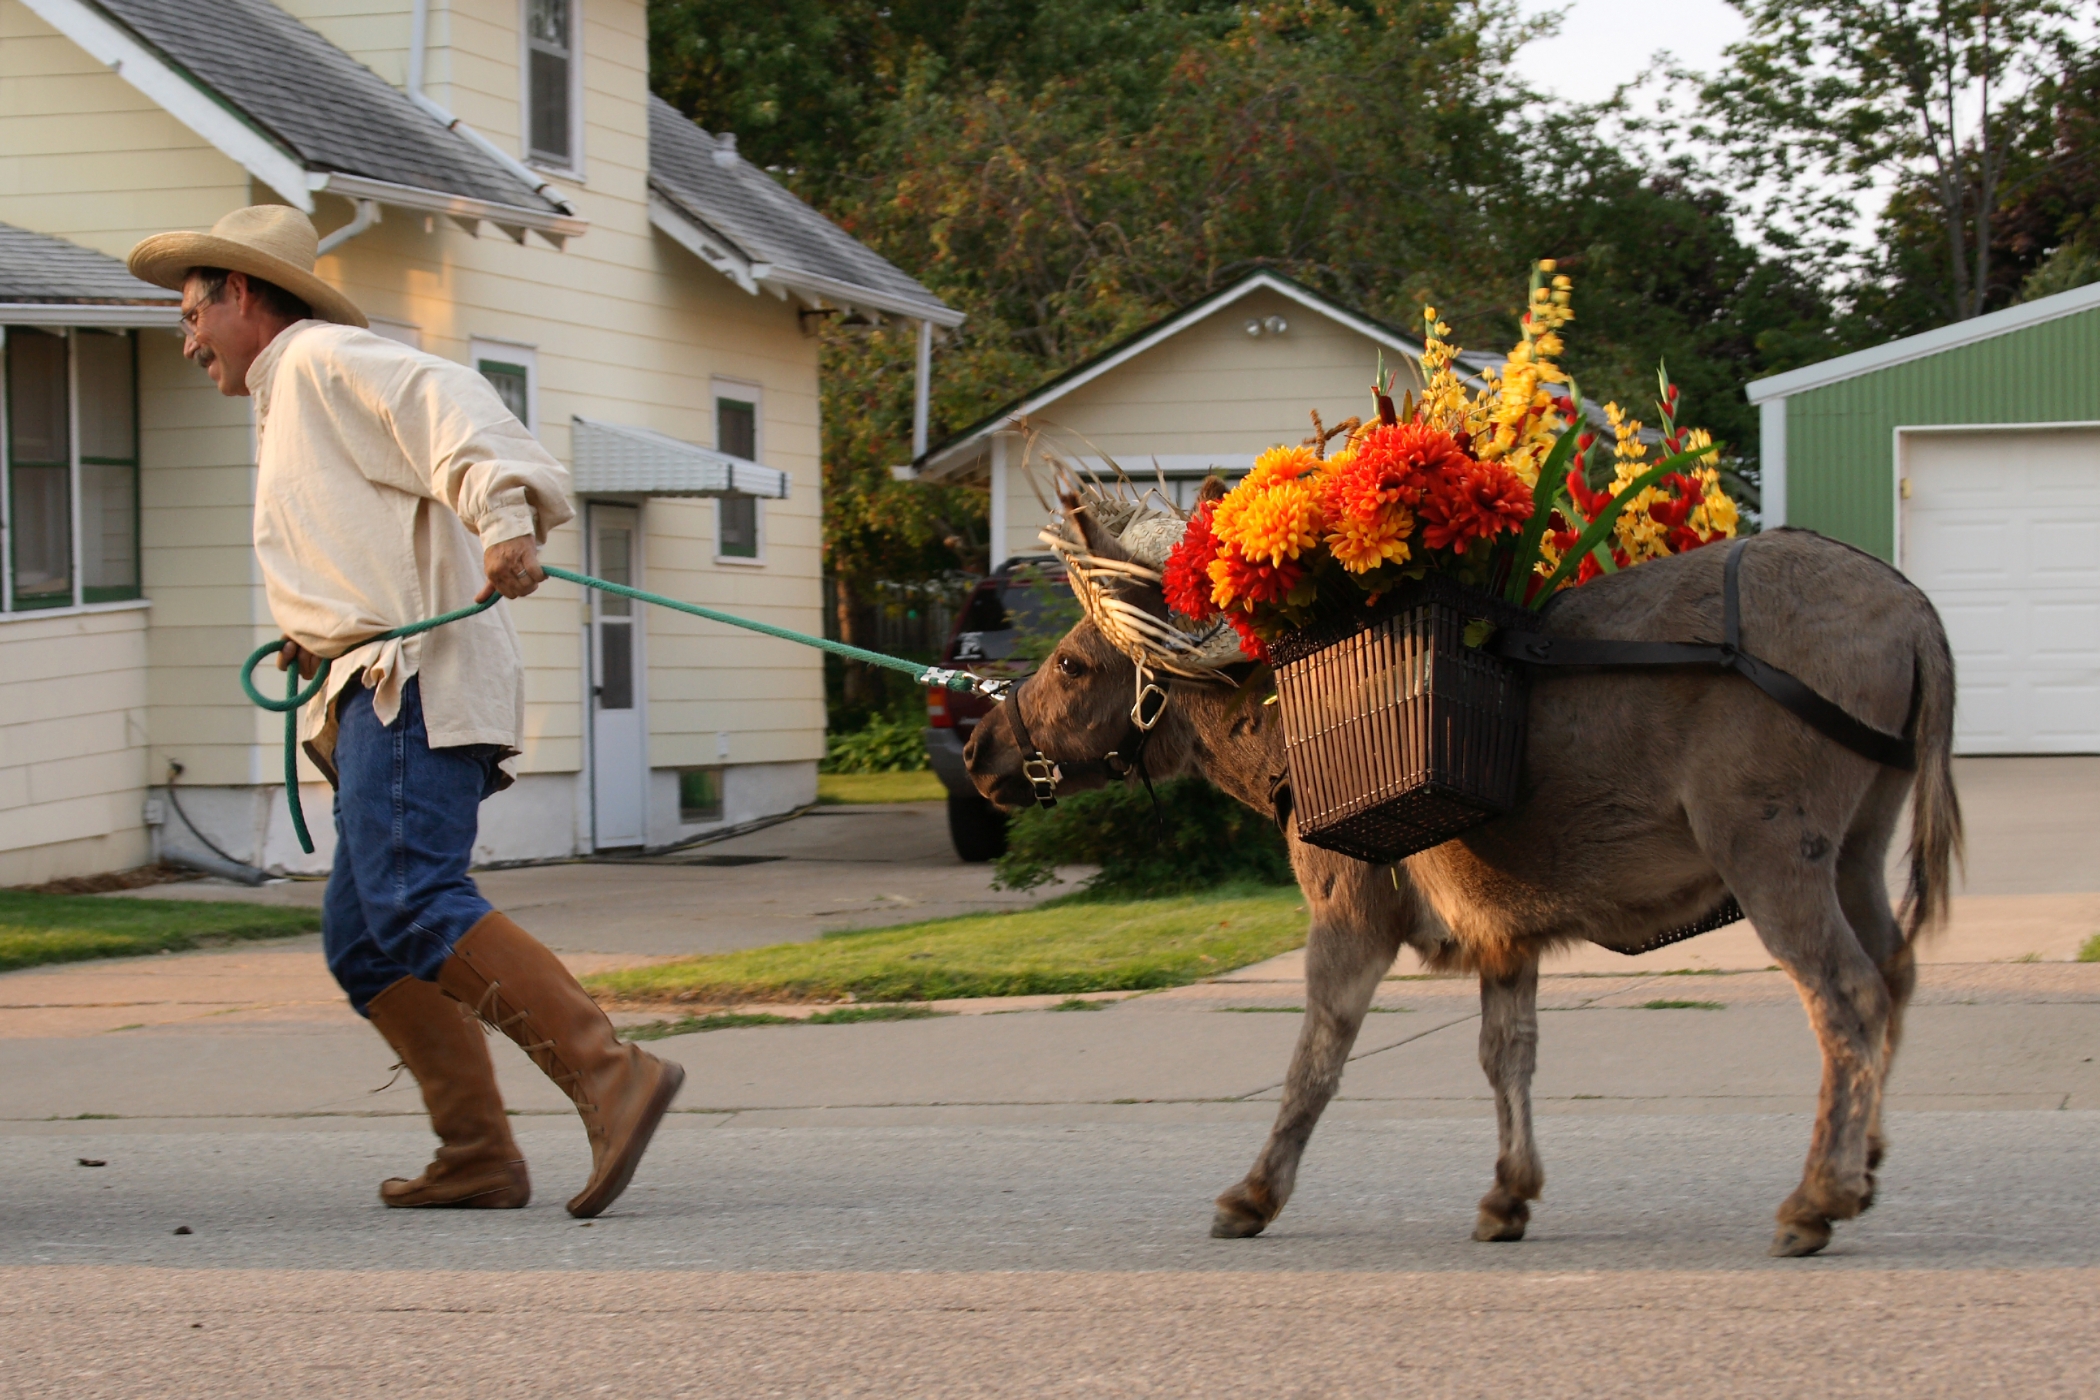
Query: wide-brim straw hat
{"points": [[271, 241]]}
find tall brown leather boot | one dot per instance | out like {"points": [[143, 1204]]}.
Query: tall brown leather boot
{"points": [[521, 989], [478, 1164]]}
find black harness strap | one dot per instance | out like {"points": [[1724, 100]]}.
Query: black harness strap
{"points": [[1820, 713]]}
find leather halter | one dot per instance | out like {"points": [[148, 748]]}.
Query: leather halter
{"points": [[1128, 756]]}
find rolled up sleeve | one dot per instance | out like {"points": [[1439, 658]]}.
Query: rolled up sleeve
{"points": [[482, 462]]}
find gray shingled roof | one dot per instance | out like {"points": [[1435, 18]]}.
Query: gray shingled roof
{"points": [[751, 211], [314, 100], [38, 267]]}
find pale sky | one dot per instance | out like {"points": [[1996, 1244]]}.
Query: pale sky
{"points": [[1604, 43]]}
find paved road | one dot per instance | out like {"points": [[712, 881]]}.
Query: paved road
{"points": [[1016, 1203]]}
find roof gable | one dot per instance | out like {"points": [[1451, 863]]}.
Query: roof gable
{"points": [[959, 448], [765, 233], [1918, 347], [297, 111]]}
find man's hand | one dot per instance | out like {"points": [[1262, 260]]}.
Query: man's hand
{"points": [[292, 654], [513, 568]]}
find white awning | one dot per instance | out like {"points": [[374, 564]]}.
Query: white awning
{"points": [[621, 459]]}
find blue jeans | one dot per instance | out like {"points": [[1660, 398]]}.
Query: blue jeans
{"points": [[405, 817]]}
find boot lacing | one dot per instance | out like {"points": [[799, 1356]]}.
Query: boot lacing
{"points": [[568, 1082]]}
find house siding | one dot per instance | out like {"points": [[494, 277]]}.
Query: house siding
{"points": [[1210, 389], [72, 745], [627, 327], [1840, 438]]}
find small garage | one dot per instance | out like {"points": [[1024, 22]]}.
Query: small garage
{"points": [[1969, 457]]}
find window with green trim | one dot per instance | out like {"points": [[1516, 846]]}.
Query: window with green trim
{"points": [[71, 445], [513, 385]]}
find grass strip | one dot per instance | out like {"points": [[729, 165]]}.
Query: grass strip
{"points": [[730, 1020], [53, 928], [1677, 1004], [2089, 951], [1059, 948], [835, 789]]}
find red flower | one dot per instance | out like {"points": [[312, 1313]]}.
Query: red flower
{"points": [[1187, 575], [1251, 645], [1392, 464], [1476, 505], [1245, 583]]}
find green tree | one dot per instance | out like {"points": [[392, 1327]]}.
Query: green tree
{"points": [[1827, 99]]}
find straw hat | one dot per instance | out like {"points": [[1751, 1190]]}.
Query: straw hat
{"points": [[271, 241]]}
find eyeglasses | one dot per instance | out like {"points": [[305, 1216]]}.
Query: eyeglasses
{"points": [[192, 314]]}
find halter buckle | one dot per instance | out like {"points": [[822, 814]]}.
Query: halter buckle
{"points": [[1043, 775], [1150, 704]]}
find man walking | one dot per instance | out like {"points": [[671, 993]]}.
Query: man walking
{"points": [[377, 467]]}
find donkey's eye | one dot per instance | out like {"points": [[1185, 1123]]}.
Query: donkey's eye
{"points": [[1072, 666]]}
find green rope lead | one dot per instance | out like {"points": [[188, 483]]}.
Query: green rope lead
{"points": [[295, 697]]}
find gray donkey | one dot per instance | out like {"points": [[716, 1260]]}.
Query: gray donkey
{"points": [[1648, 797]]}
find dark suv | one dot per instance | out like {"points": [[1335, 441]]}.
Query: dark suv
{"points": [[1024, 606]]}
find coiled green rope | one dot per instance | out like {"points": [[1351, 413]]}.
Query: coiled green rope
{"points": [[295, 696]]}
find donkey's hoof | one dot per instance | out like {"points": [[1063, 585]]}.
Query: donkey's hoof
{"points": [[1798, 1240], [1236, 1222], [1493, 1229]]}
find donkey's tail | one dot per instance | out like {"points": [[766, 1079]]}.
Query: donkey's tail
{"points": [[1935, 812]]}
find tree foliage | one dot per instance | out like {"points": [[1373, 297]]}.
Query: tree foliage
{"points": [[1068, 171], [1828, 99]]}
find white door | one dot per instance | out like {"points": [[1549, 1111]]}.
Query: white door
{"points": [[1999, 530], [619, 735]]}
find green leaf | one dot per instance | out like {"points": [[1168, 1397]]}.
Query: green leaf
{"points": [[1545, 494], [1600, 529]]}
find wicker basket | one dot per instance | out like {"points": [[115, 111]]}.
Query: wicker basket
{"points": [[1398, 734]]}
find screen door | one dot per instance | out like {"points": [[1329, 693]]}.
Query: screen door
{"points": [[619, 737]]}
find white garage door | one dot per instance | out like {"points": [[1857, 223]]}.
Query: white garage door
{"points": [[2002, 531]]}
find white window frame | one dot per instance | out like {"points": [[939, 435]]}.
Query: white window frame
{"points": [[76, 604], [512, 352], [743, 391], [573, 167]]}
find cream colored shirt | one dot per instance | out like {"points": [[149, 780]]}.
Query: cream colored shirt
{"points": [[377, 467]]}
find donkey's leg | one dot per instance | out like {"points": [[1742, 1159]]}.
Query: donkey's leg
{"points": [[1862, 891], [1356, 932], [1803, 926], [1509, 1052]]}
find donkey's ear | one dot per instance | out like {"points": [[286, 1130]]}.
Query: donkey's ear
{"points": [[1099, 542]]}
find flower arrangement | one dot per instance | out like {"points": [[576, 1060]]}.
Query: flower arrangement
{"points": [[1483, 481]]}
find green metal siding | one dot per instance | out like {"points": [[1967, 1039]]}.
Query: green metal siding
{"points": [[1840, 439]]}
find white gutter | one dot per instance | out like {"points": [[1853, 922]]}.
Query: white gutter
{"points": [[418, 44], [507, 216], [922, 383], [680, 228]]}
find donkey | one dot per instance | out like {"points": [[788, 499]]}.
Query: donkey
{"points": [[1648, 797]]}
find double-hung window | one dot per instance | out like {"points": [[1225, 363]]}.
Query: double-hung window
{"points": [[736, 516], [550, 83], [71, 455]]}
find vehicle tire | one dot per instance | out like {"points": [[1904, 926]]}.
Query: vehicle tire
{"points": [[977, 828]]}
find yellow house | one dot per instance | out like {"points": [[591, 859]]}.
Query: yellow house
{"points": [[1204, 390], [494, 184]]}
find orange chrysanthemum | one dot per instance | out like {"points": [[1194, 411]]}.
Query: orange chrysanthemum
{"points": [[1280, 464], [1361, 545], [1238, 582], [1273, 521]]}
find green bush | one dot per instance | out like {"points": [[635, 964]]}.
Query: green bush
{"points": [[886, 744], [1201, 840]]}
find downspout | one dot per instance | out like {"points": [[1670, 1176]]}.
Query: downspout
{"points": [[921, 388], [418, 45], [367, 215]]}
